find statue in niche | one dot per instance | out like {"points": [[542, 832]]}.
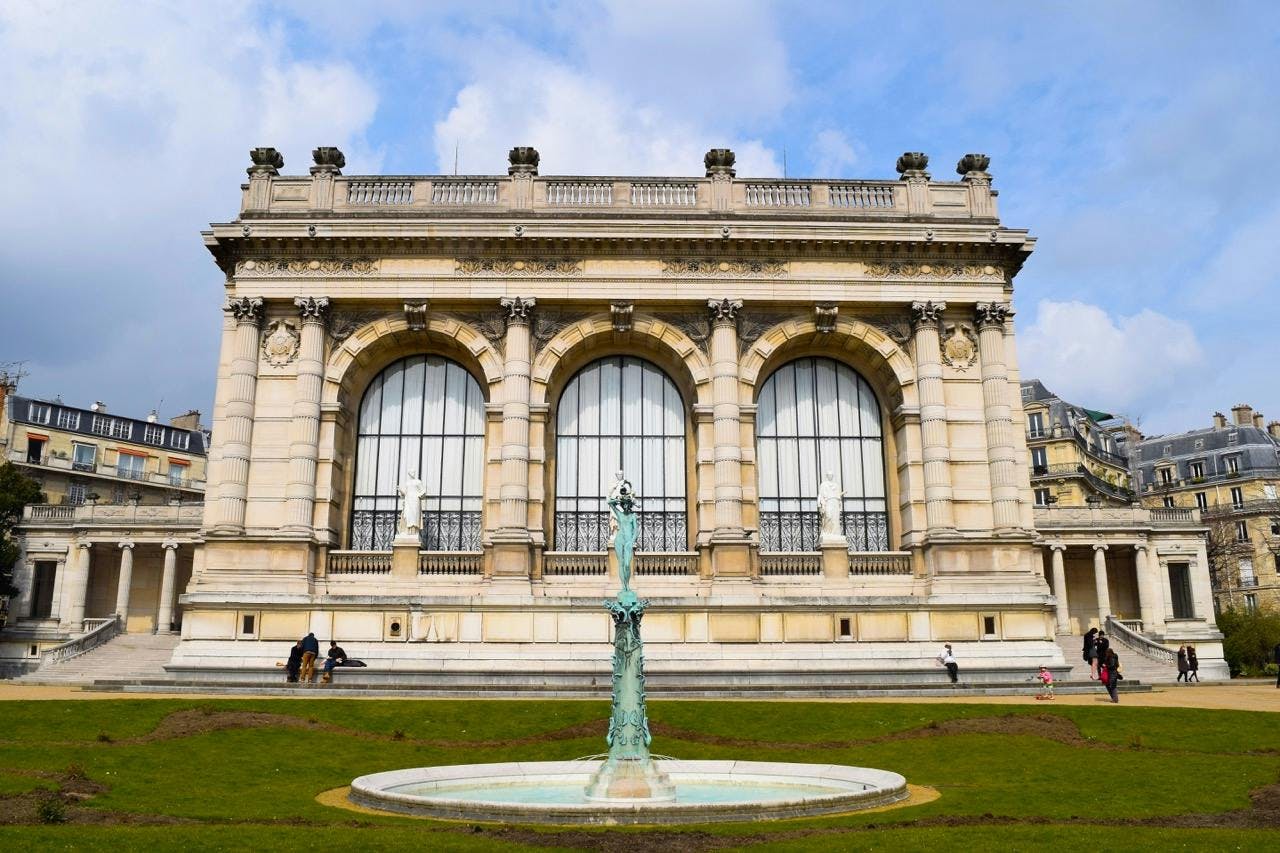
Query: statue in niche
{"points": [[412, 491], [622, 506], [830, 508]]}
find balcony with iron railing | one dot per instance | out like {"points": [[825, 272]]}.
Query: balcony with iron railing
{"points": [[1106, 487]]}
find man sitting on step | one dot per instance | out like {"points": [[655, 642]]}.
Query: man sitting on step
{"points": [[337, 657]]}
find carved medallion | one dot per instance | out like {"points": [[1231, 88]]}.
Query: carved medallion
{"points": [[729, 268], [318, 267], [959, 348], [280, 346], [518, 267]]}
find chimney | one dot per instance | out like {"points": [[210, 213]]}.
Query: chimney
{"points": [[7, 387], [153, 417], [1242, 414], [1273, 429], [1219, 420], [191, 420], [1258, 420], [98, 407]]}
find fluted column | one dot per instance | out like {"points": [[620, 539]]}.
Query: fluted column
{"points": [[513, 517], [78, 587], [726, 417], [1150, 598], [1100, 582], [991, 318], [238, 424], [939, 514], [164, 612], [124, 584], [300, 492], [1059, 570]]}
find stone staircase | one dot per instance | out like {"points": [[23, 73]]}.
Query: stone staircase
{"points": [[125, 657], [1134, 665]]}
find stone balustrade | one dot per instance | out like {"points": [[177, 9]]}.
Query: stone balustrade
{"points": [[880, 563], [164, 515], [359, 563], [667, 563], [790, 564], [1066, 517], [450, 562], [575, 564], [422, 195]]}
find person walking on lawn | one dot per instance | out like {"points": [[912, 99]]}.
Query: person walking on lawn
{"points": [[310, 650], [1184, 667], [1193, 664]]}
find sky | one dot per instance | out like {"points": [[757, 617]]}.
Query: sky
{"points": [[1136, 140]]}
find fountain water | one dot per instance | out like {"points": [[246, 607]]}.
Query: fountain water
{"points": [[629, 786]]}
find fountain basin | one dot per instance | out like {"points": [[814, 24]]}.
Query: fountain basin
{"points": [[554, 792]]}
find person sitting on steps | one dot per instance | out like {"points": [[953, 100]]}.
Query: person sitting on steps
{"points": [[337, 657]]}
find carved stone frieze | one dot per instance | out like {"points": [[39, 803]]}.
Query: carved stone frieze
{"points": [[959, 346], [346, 322], [728, 268], [620, 313], [316, 267], [280, 343], [518, 267], [932, 270]]}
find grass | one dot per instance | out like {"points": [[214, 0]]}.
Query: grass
{"points": [[1133, 777]]}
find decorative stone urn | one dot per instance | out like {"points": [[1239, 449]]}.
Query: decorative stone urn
{"points": [[972, 163], [719, 161], [266, 161], [912, 164], [328, 159], [523, 160]]}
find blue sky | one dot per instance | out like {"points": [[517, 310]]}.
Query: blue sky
{"points": [[1137, 141]]}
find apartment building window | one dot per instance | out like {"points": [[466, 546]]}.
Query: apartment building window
{"points": [[1233, 437], [1250, 602], [178, 472], [180, 440], [153, 434], [39, 413], [76, 493], [121, 428], [1039, 460], [1269, 491], [131, 465], [100, 425], [1247, 578], [1242, 531], [1167, 450], [1196, 469], [1168, 502], [84, 457], [1202, 500], [1042, 497], [35, 448], [1166, 476], [1233, 464], [1035, 425], [68, 419], [1237, 497]]}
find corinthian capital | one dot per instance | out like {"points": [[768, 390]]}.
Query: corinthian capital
{"points": [[724, 310], [926, 313], [987, 314], [314, 309], [519, 308], [246, 309]]}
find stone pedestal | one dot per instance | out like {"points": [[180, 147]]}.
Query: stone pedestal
{"points": [[835, 557], [404, 557], [730, 559], [511, 559]]}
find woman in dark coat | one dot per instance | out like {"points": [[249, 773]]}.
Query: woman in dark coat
{"points": [[1091, 651], [1183, 666], [1104, 645], [1109, 672], [294, 665], [1193, 664]]}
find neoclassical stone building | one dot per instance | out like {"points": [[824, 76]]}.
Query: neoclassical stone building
{"points": [[514, 340]]}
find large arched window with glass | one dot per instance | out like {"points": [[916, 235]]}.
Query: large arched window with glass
{"points": [[817, 415], [620, 413], [421, 415]]}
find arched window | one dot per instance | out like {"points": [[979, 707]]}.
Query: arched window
{"points": [[620, 413], [816, 415], [423, 414]]}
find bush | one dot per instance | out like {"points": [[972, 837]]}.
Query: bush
{"points": [[1249, 639], [51, 810]]}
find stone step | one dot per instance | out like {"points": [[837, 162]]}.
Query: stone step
{"points": [[122, 657]]}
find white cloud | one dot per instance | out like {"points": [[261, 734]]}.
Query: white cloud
{"points": [[640, 99], [1133, 365], [126, 130], [832, 154]]}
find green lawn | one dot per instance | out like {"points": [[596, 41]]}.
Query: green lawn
{"points": [[177, 774]]}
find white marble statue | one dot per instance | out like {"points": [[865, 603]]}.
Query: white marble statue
{"points": [[412, 491], [621, 486], [830, 507]]}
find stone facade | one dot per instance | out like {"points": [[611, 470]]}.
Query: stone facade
{"points": [[716, 285]]}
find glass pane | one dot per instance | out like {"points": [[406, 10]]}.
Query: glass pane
{"points": [[414, 376], [392, 399]]}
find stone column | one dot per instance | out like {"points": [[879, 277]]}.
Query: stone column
{"points": [[1100, 582], [78, 587], [238, 425], [1060, 587], [939, 515], [991, 318], [726, 418], [300, 492], [164, 612], [1150, 599], [124, 585], [512, 540]]}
